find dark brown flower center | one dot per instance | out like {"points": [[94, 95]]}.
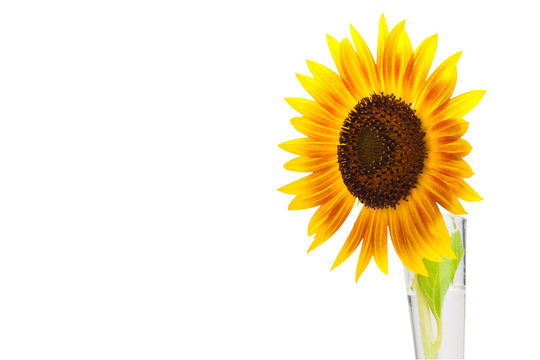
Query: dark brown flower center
{"points": [[381, 151]]}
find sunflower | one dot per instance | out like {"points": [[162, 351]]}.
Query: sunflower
{"points": [[387, 135]]}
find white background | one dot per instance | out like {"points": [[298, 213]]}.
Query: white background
{"points": [[139, 217]]}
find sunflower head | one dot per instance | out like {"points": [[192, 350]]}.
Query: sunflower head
{"points": [[382, 132]]}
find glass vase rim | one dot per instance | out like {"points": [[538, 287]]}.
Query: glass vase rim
{"points": [[450, 216]]}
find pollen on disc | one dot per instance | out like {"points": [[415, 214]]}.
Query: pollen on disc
{"points": [[381, 151]]}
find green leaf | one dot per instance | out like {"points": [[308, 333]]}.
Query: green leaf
{"points": [[441, 276]]}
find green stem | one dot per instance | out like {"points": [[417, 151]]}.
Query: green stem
{"points": [[431, 348], [438, 339]]}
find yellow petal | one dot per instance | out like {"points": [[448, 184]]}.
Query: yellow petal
{"points": [[427, 237], [321, 214], [460, 148], [440, 233], [381, 43], [366, 253], [330, 101], [366, 61], [465, 191], [334, 46], [367, 250], [459, 106], [355, 236], [315, 130], [431, 222], [453, 168], [449, 130], [397, 53], [439, 87], [441, 193], [306, 201], [418, 68], [336, 217], [353, 72], [335, 50], [314, 111], [312, 183], [405, 252], [307, 164], [418, 238], [309, 147], [332, 81], [412, 245], [380, 241], [460, 188]]}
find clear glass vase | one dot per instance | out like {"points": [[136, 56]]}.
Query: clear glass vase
{"points": [[437, 302]]}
